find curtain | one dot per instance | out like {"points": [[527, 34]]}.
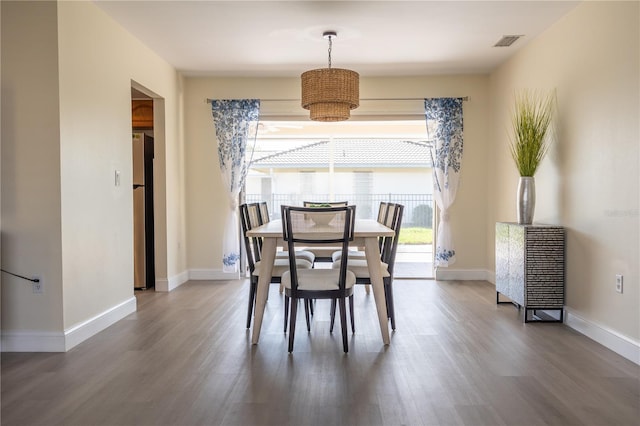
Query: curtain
{"points": [[236, 122], [444, 129]]}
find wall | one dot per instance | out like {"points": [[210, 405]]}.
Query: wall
{"points": [[384, 181], [31, 206], [0, 177], [589, 182], [72, 97], [207, 202]]}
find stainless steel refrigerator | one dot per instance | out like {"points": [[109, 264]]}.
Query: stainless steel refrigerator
{"points": [[143, 229]]}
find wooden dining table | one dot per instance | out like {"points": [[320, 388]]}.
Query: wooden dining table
{"points": [[366, 233]]}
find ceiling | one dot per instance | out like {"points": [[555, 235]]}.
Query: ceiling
{"points": [[375, 38]]}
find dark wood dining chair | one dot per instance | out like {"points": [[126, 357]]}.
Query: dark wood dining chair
{"points": [[335, 283], [249, 219], [323, 254], [359, 266], [359, 253], [264, 217]]}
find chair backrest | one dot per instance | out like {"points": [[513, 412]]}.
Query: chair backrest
{"points": [[317, 204], [263, 210], [298, 228], [382, 211], [390, 244], [382, 217], [249, 219]]}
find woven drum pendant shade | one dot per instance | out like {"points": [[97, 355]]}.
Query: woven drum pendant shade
{"points": [[330, 93]]}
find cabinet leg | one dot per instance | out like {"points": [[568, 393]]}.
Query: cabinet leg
{"points": [[543, 317], [498, 302]]}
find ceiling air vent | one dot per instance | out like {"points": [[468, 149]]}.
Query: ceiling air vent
{"points": [[507, 40]]}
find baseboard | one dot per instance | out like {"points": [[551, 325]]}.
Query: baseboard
{"points": [[608, 338], [173, 282], [83, 331], [448, 274], [212, 274], [39, 341], [194, 274], [32, 341]]}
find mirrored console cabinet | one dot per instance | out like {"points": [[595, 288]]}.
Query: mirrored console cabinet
{"points": [[530, 269]]}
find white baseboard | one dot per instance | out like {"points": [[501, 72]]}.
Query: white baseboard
{"points": [[32, 341], [194, 274], [43, 341], [448, 274], [608, 338], [212, 274], [172, 282], [83, 331]]}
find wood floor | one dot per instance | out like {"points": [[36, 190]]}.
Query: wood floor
{"points": [[456, 358]]}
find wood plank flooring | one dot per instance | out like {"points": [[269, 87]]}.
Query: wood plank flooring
{"points": [[456, 358]]}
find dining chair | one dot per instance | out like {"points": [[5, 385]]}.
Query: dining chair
{"points": [[249, 219], [300, 228], [359, 253], [264, 217], [323, 254], [389, 246]]}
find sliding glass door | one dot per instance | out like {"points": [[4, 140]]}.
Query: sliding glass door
{"points": [[364, 163]]}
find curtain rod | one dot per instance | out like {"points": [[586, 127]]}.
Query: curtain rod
{"points": [[464, 98]]}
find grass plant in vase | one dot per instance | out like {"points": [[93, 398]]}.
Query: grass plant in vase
{"points": [[531, 122]]}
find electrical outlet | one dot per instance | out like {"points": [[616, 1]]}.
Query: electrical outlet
{"points": [[619, 283], [37, 286]]}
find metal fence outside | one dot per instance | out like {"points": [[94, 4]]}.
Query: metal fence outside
{"points": [[418, 208]]}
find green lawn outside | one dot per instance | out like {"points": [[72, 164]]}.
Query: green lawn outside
{"points": [[416, 236]]}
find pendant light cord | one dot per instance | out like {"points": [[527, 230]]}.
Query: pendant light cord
{"points": [[330, 45]]}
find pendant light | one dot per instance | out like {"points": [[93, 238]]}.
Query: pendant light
{"points": [[330, 93]]}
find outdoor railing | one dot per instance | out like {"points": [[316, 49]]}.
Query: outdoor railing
{"points": [[418, 208]]}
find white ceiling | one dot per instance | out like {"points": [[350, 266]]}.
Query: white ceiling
{"points": [[375, 38]]}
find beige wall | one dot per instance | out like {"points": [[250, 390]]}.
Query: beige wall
{"points": [[206, 201], [589, 183], [98, 60], [67, 98], [31, 229]]}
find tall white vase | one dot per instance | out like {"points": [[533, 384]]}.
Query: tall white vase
{"points": [[526, 201]]}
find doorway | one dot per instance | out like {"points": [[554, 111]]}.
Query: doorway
{"points": [[143, 190]]}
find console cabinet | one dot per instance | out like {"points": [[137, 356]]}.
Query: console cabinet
{"points": [[530, 269]]}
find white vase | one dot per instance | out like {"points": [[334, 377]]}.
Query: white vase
{"points": [[526, 201]]}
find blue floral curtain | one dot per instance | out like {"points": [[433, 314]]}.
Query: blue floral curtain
{"points": [[236, 122], [444, 128]]}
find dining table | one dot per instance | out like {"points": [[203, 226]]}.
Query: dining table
{"points": [[366, 233]]}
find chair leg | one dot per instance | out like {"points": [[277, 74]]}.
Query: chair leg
{"points": [[281, 288], [391, 311], [353, 323], [332, 314], [306, 314], [311, 303], [367, 288], [343, 323], [252, 296], [286, 311], [292, 324]]}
